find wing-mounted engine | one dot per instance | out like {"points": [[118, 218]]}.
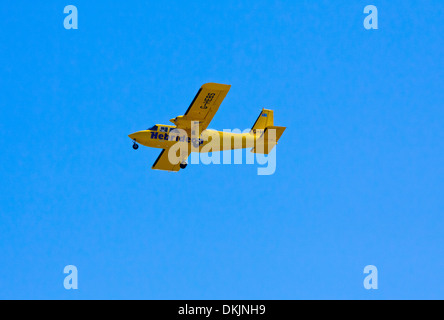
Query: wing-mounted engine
{"points": [[184, 123]]}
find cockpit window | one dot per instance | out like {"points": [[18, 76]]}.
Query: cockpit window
{"points": [[163, 129], [153, 128]]}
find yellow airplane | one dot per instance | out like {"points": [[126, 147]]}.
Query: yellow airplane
{"points": [[191, 130]]}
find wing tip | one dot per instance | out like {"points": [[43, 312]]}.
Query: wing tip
{"points": [[217, 86]]}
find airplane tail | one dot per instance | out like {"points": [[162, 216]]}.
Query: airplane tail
{"points": [[267, 134], [264, 120]]}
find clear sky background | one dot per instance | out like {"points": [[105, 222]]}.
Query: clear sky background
{"points": [[359, 176]]}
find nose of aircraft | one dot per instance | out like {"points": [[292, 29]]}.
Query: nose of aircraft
{"points": [[139, 136], [133, 136]]}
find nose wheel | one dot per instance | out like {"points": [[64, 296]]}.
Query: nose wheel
{"points": [[183, 165], [135, 145]]}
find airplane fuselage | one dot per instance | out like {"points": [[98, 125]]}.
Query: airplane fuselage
{"points": [[164, 137]]}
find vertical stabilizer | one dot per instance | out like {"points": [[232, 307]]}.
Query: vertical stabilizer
{"points": [[264, 120]]}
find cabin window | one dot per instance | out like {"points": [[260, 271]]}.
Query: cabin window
{"points": [[163, 129], [153, 128]]}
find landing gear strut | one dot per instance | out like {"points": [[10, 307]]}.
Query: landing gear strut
{"points": [[135, 145]]}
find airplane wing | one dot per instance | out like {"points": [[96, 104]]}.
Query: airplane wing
{"points": [[163, 162], [202, 110], [204, 106]]}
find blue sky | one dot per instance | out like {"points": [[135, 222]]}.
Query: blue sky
{"points": [[359, 176]]}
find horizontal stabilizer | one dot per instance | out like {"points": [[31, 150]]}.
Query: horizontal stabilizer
{"points": [[266, 142]]}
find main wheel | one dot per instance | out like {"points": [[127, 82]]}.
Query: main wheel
{"points": [[183, 165], [135, 146]]}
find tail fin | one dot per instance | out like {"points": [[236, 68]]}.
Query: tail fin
{"points": [[267, 134], [264, 120]]}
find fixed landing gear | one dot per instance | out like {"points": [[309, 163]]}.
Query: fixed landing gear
{"points": [[183, 165], [135, 145]]}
